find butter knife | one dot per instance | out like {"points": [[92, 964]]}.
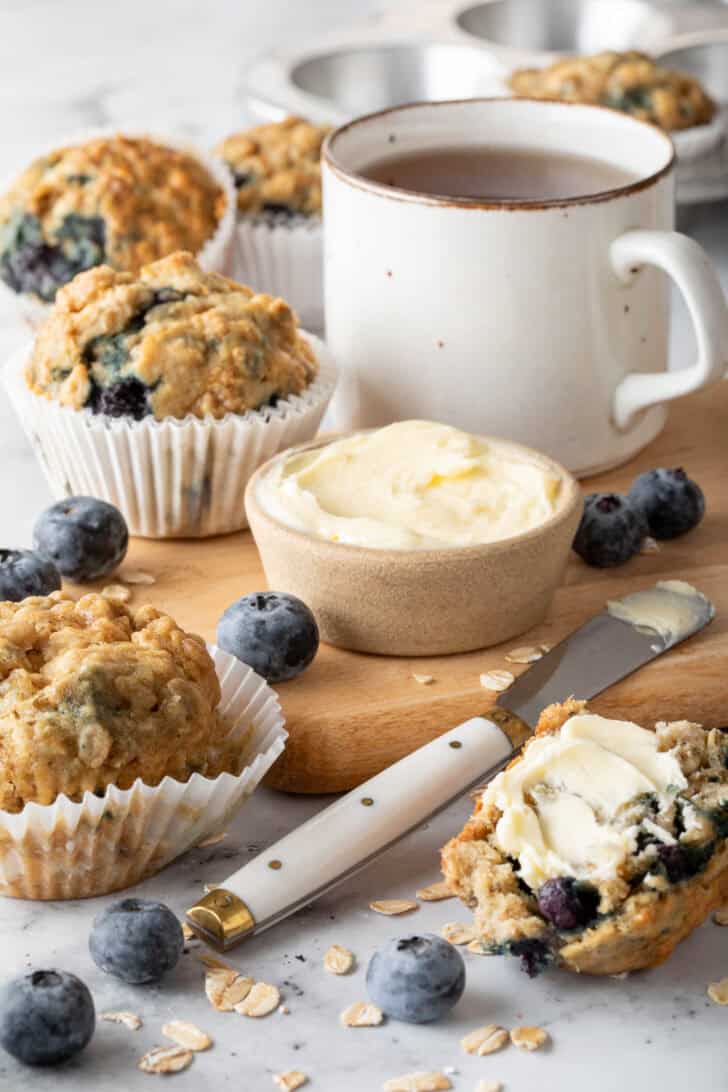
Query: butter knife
{"points": [[346, 836]]}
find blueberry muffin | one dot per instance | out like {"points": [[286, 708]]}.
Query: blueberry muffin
{"points": [[117, 200], [94, 693], [600, 847], [631, 82], [169, 341], [276, 168]]}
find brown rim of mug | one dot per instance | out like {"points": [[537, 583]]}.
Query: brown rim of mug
{"points": [[396, 193]]}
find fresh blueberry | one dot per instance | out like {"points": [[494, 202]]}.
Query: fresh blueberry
{"points": [[24, 573], [670, 501], [127, 398], [611, 531], [136, 940], [568, 904], [84, 537], [273, 633], [45, 1017], [417, 979]]}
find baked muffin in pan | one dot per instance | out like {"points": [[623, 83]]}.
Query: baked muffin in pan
{"points": [[600, 847]]}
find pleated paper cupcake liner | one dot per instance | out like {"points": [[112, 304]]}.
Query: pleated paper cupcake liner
{"points": [[215, 256], [697, 141], [171, 478], [283, 259], [72, 850]]}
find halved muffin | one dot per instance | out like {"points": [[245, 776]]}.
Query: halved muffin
{"points": [[600, 847]]}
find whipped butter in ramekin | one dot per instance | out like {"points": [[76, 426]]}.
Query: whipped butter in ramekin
{"points": [[411, 486]]}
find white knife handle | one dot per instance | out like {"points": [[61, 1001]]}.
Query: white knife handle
{"points": [[344, 837]]}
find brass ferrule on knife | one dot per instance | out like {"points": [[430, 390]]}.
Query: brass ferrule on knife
{"points": [[221, 919]]}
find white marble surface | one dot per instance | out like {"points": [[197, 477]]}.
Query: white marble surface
{"points": [[177, 67]]}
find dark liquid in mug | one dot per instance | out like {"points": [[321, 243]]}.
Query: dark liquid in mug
{"points": [[498, 174]]}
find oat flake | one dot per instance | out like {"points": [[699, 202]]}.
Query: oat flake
{"points": [[720, 917], [418, 1082], [226, 988], [423, 680], [489, 1086], [362, 1014], [164, 1059], [338, 960], [649, 546], [116, 592], [718, 992], [476, 947], [213, 840], [485, 1040], [392, 907], [435, 892], [186, 1035], [496, 680], [525, 654], [128, 1019], [292, 1078], [136, 576], [529, 1038], [458, 933], [260, 1001]]}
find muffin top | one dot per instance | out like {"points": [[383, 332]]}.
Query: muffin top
{"points": [[94, 693], [116, 200], [168, 342], [277, 167], [631, 82]]}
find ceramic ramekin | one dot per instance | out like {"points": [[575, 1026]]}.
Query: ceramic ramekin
{"points": [[421, 602]]}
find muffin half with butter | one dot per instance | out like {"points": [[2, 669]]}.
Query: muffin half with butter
{"points": [[162, 391], [115, 200], [116, 750], [277, 172], [601, 847]]}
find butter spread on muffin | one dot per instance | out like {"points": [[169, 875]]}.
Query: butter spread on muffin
{"points": [[169, 341], [94, 693], [599, 848], [631, 82], [276, 167], [116, 200]]}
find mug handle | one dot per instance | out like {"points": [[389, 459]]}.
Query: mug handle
{"points": [[693, 272]]}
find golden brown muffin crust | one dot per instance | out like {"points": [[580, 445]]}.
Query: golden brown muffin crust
{"points": [[169, 341]]}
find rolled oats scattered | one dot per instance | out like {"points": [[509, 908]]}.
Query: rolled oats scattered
{"points": [[213, 840], [136, 576], [186, 1035], [418, 1082], [424, 680], [128, 1019], [489, 1086], [496, 680], [391, 907], [338, 960], [718, 992], [164, 1059], [260, 1001], [485, 1040], [435, 892], [362, 1014], [529, 1038], [720, 917], [116, 592], [226, 988], [457, 933], [525, 654], [291, 1079]]}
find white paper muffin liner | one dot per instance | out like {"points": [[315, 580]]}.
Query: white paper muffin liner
{"points": [[214, 257], [69, 850], [171, 478], [695, 142], [283, 259]]}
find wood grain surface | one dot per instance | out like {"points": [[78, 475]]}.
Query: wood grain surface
{"points": [[350, 715]]}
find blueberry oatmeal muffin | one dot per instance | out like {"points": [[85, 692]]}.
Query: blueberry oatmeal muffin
{"points": [[116, 753], [600, 847], [116, 200], [277, 173], [631, 82], [168, 342]]}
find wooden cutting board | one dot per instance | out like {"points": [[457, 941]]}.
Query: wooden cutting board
{"points": [[350, 715]]}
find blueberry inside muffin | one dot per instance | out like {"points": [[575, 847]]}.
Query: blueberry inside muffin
{"points": [[94, 693], [168, 342], [631, 82], [599, 848], [276, 168], [117, 200]]}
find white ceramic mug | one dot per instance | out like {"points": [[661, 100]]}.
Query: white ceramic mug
{"points": [[544, 322]]}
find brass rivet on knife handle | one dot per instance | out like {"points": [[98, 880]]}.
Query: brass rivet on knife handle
{"points": [[221, 919], [516, 729]]}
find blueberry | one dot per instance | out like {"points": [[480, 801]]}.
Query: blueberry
{"points": [[611, 531], [45, 1017], [127, 398], [24, 573], [84, 537], [136, 940], [417, 979], [534, 956], [670, 502], [568, 904], [273, 633]]}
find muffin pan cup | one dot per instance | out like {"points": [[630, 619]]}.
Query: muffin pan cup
{"points": [[284, 259], [214, 257], [71, 850], [170, 478]]}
